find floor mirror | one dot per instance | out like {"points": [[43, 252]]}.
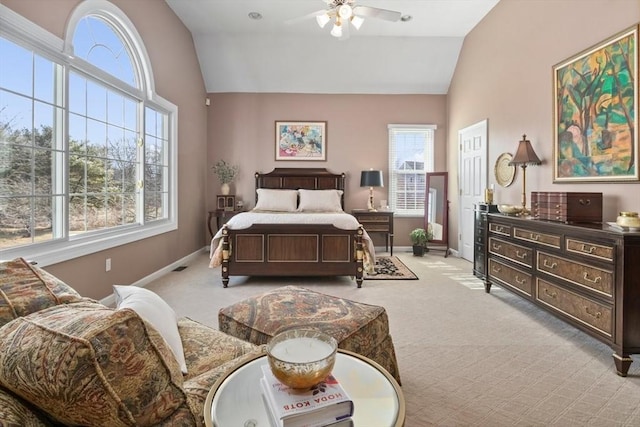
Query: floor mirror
{"points": [[436, 211]]}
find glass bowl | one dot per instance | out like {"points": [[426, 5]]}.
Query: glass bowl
{"points": [[510, 209], [301, 358]]}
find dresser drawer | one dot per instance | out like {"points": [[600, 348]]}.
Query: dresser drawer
{"points": [[478, 264], [586, 276], [586, 311], [504, 230], [516, 253], [375, 226], [513, 277], [547, 239], [589, 249]]}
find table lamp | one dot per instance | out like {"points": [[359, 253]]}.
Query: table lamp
{"points": [[371, 179], [524, 156]]}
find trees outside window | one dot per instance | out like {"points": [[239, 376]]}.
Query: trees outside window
{"points": [[87, 149]]}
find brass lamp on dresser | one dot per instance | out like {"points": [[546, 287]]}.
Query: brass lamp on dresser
{"points": [[586, 274]]}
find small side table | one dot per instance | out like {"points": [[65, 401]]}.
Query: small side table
{"points": [[221, 216], [236, 400], [377, 222]]}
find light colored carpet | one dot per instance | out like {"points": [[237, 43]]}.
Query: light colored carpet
{"points": [[466, 358]]}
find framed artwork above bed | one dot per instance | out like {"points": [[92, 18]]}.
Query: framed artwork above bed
{"points": [[301, 140]]}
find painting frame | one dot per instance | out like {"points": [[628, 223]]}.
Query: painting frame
{"points": [[301, 140], [595, 120]]}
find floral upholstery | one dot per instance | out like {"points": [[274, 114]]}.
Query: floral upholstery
{"points": [[69, 359], [16, 412], [25, 289], [85, 364], [358, 327], [205, 349], [209, 354]]}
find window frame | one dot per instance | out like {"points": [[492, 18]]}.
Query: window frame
{"points": [[429, 165], [19, 30]]}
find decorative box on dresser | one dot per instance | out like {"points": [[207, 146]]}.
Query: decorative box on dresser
{"points": [[586, 274], [480, 238]]}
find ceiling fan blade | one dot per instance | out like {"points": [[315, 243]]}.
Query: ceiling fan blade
{"points": [[374, 12], [307, 16]]}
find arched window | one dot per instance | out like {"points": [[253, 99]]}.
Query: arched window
{"points": [[88, 149], [96, 41]]}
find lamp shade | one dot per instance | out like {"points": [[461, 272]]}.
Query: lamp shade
{"points": [[371, 178], [525, 154]]}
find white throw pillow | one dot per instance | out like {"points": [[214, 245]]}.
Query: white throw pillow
{"points": [[277, 200], [320, 201], [157, 312]]}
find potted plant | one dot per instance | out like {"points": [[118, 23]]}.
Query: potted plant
{"points": [[226, 173], [419, 238]]}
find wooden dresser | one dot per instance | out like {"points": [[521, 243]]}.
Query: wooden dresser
{"points": [[480, 238], [588, 275]]}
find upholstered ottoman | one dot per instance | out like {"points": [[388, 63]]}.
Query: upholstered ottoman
{"points": [[361, 328]]}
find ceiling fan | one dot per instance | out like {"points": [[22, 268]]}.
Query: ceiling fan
{"points": [[345, 12]]}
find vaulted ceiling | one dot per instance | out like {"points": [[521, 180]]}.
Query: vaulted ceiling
{"points": [[280, 53]]}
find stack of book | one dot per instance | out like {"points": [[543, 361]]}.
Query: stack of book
{"points": [[326, 404]]}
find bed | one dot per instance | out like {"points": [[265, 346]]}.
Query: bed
{"points": [[277, 239]]}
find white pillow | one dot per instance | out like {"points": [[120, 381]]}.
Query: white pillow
{"points": [[157, 312], [320, 201], [277, 200]]}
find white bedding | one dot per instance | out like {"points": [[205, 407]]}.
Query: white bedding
{"points": [[340, 220]]}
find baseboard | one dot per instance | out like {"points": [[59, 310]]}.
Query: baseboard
{"points": [[110, 301]]}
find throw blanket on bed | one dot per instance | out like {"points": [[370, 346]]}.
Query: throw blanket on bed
{"points": [[341, 220]]}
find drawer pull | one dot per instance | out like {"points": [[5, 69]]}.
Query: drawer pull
{"points": [[597, 314], [549, 265], [534, 237], [520, 281], [521, 255], [589, 250], [496, 247], [496, 269], [550, 294], [585, 202], [597, 279], [499, 229]]}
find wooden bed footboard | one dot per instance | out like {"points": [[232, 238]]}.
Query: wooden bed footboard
{"points": [[292, 250]]}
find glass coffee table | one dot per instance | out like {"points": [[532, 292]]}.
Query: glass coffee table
{"points": [[235, 400]]}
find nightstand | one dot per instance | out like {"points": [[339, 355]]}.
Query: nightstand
{"points": [[377, 222], [222, 216]]}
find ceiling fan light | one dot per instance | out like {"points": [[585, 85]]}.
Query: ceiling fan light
{"points": [[323, 19], [357, 21], [336, 31], [345, 11]]}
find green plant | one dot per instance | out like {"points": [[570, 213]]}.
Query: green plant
{"points": [[420, 237], [226, 172]]}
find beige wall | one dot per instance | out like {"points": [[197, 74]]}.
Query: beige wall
{"points": [[504, 74], [242, 131], [179, 80]]}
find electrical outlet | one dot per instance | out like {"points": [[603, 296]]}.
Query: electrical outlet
{"points": [[107, 265]]}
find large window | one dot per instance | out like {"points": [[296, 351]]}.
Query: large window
{"points": [[87, 149], [411, 149]]}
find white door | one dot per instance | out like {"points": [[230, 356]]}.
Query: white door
{"points": [[472, 181]]}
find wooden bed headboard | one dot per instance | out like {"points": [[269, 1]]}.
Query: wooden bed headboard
{"points": [[297, 178]]}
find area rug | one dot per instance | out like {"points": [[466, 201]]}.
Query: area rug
{"points": [[390, 268]]}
